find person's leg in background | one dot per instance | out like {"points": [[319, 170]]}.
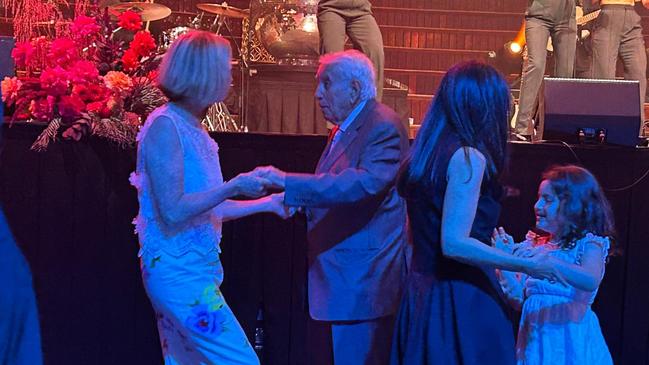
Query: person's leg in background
{"points": [[363, 342], [633, 53], [332, 30], [584, 58], [318, 342], [537, 33], [564, 40], [606, 39], [366, 36]]}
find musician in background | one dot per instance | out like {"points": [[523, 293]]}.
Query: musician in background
{"points": [[544, 19], [584, 53], [617, 32], [340, 18]]}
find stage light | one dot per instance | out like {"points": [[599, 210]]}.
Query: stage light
{"points": [[514, 47], [309, 24], [508, 59]]}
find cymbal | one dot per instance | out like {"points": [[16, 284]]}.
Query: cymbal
{"points": [[148, 11], [52, 22], [225, 10]]}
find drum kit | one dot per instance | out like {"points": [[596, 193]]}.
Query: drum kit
{"points": [[218, 117]]}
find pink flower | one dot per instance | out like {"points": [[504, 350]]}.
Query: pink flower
{"points": [[130, 20], [43, 109], [55, 81], [84, 26], [84, 71], [23, 54], [143, 43], [71, 107], [63, 52], [10, 87]]}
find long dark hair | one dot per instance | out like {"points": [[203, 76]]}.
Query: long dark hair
{"points": [[472, 102], [583, 207]]}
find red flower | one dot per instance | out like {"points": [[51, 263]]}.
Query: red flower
{"points": [[71, 107], [89, 92], [43, 109], [22, 114], [55, 81], [23, 54], [143, 43], [83, 27], [63, 52], [101, 108], [153, 75], [130, 20], [130, 60], [84, 71]]}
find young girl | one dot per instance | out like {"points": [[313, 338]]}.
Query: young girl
{"points": [[557, 324]]}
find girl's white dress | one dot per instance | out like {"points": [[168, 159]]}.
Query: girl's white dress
{"points": [[557, 323], [181, 268]]}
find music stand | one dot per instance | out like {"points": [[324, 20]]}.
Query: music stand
{"points": [[591, 111]]}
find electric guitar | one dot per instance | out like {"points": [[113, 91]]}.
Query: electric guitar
{"points": [[581, 20]]}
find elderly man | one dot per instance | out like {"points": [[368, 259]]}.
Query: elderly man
{"points": [[353, 18], [356, 220]]}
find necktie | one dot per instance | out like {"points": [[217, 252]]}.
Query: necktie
{"points": [[332, 134], [332, 137]]}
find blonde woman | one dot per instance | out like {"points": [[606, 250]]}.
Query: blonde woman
{"points": [[183, 200]]}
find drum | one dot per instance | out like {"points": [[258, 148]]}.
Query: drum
{"points": [[169, 36]]}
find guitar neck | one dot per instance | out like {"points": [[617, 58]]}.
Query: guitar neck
{"points": [[588, 17]]}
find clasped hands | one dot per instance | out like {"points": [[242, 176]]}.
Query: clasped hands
{"points": [[258, 182], [540, 264]]}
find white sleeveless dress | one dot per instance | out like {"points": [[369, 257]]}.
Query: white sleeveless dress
{"points": [[558, 325], [180, 265]]}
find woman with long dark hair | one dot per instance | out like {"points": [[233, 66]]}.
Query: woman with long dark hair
{"points": [[452, 312]]}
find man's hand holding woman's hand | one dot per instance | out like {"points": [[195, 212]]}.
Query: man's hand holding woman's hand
{"points": [[276, 176], [249, 184]]}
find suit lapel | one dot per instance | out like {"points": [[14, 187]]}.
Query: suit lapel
{"points": [[345, 140]]}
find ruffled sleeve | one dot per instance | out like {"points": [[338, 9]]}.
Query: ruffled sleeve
{"points": [[603, 243]]}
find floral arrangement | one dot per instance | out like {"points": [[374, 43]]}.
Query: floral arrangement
{"points": [[86, 81]]}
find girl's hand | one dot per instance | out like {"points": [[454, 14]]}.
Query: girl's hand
{"points": [[502, 241], [276, 206]]}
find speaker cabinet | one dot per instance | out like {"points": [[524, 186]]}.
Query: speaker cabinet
{"points": [[591, 111]]}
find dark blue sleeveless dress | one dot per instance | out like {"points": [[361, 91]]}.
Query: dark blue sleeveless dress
{"points": [[451, 313]]}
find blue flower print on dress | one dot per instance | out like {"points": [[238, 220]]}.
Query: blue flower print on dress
{"points": [[206, 321]]}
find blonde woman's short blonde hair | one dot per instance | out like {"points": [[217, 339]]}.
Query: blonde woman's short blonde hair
{"points": [[196, 66]]}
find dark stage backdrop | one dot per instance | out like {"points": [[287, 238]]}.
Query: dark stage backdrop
{"points": [[71, 210]]}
